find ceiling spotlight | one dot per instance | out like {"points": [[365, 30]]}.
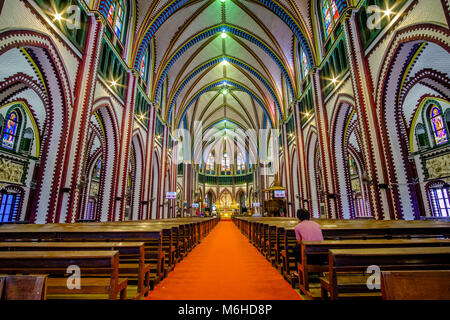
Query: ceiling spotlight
{"points": [[114, 83], [141, 117], [224, 33], [387, 12], [225, 91], [334, 80], [223, 0], [224, 62]]}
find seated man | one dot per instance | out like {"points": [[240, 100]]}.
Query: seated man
{"points": [[305, 230]]}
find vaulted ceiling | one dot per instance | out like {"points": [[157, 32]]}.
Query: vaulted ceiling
{"points": [[227, 63]]}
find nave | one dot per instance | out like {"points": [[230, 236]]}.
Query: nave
{"points": [[225, 266]]}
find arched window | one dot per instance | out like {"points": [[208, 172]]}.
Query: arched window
{"points": [[352, 166], [9, 206], [225, 162], [143, 65], [437, 125], [240, 162], [116, 17], [98, 169], [421, 136], [305, 63], [11, 130], [210, 162], [440, 202], [91, 207], [330, 15], [27, 140]]}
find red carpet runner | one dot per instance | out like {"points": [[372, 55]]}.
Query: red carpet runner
{"points": [[224, 266]]}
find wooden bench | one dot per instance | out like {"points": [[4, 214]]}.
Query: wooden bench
{"points": [[99, 272], [131, 259], [23, 287], [85, 232], [415, 285], [347, 275], [315, 255]]}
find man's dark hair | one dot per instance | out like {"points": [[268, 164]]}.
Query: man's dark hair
{"points": [[303, 214]]}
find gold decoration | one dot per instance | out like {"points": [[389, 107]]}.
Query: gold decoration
{"points": [[10, 171], [356, 185], [438, 167]]}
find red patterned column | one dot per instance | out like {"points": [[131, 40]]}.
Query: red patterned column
{"points": [[125, 147], [288, 173], [69, 204], [174, 176], [380, 200], [303, 176], [162, 176], [325, 149], [147, 185]]}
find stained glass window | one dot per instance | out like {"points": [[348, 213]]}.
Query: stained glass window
{"points": [[98, 169], [440, 202], [90, 211], [119, 19], [352, 165], [330, 14], [142, 67], [110, 17], [9, 134], [116, 15], [9, 205], [439, 132], [305, 64]]}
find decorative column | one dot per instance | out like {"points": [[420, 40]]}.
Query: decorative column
{"points": [[380, 199], [163, 171], [69, 203], [124, 151], [324, 145], [301, 153], [288, 173], [188, 187], [147, 186], [174, 176]]}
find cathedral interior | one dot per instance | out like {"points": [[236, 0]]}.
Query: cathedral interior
{"points": [[224, 149], [114, 110]]}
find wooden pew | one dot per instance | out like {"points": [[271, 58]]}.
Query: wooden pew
{"points": [[177, 237], [347, 275], [289, 265], [339, 229], [415, 285], [24, 288], [152, 238], [94, 265], [315, 255], [131, 258]]}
